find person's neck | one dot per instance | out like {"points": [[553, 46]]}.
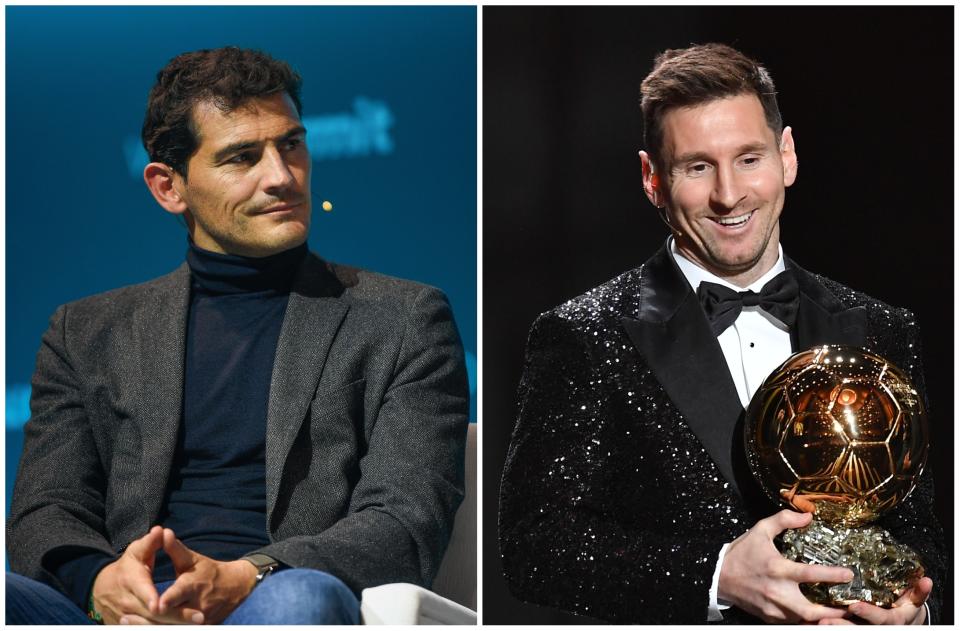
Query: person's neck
{"points": [[746, 278], [739, 278]]}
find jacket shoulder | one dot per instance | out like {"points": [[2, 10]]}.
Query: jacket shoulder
{"points": [[877, 310], [365, 286], [116, 302], [604, 304], [376, 301]]}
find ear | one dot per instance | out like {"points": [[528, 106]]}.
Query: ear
{"points": [[651, 180], [165, 186], [788, 154]]}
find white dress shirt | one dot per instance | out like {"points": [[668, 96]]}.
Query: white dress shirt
{"points": [[756, 343]]}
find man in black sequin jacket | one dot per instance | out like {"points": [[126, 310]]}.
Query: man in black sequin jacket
{"points": [[626, 495]]}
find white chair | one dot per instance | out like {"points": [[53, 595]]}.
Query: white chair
{"points": [[454, 596]]}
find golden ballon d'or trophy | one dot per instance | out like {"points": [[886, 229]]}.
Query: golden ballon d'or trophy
{"points": [[842, 433]]}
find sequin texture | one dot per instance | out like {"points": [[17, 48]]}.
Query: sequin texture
{"points": [[610, 506]]}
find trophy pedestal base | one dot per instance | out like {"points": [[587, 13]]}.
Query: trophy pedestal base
{"points": [[882, 568]]}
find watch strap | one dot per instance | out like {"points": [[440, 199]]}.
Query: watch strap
{"points": [[265, 565]]}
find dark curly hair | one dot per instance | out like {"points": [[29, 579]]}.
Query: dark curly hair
{"points": [[227, 76], [699, 74]]}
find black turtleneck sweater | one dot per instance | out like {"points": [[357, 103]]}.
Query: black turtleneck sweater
{"points": [[216, 493]]}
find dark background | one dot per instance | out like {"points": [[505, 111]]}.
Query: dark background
{"points": [[869, 94]]}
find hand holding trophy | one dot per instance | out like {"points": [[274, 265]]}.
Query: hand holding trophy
{"points": [[840, 432]]}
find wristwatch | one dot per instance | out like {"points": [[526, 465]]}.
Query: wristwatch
{"points": [[264, 564]]}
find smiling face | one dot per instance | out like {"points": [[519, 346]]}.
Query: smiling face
{"points": [[724, 185], [247, 189]]}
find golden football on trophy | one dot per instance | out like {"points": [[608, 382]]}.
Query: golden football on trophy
{"points": [[842, 433], [839, 432]]}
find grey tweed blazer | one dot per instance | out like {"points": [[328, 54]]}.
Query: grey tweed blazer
{"points": [[366, 426]]}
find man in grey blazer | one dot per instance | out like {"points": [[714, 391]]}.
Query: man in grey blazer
{"points": [[255, 437]]}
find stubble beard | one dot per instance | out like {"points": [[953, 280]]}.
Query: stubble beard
{"points": [[730, 265]]}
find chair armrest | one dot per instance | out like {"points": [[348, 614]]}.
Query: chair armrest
{"points": [[403, 603]]}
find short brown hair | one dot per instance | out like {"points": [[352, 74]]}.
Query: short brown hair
{"points": [[696, 75], [227, 76]]}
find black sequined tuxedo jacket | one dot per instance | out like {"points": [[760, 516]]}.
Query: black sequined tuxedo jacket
{"points": [[625, 475]]}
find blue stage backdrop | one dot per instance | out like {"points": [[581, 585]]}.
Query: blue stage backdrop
{"points": [[389, 97]]}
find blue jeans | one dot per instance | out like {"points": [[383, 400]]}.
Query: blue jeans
{"points": [[295, 596]]}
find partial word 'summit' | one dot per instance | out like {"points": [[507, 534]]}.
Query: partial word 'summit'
{"points": [[363, 132]]}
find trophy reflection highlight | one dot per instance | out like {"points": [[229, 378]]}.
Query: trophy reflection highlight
{"points": [[842, 433]]}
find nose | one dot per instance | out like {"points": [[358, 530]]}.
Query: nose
{"points": [[277, 175], [728, 190]]}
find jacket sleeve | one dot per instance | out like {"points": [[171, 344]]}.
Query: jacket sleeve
{"points": [[412, 474], [57, 512], [563, 542], [913, 521]]}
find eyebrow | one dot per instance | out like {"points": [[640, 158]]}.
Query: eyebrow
{"points": [[696, 156], [250, 144]]}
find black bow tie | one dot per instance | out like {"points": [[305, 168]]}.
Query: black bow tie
{"points": [[779, 297]]}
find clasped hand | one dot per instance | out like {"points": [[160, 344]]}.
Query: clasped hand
{"points": [[756, 578], [205, 590]]}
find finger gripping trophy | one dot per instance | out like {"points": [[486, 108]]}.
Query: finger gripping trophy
{"points": [[842, 433]]}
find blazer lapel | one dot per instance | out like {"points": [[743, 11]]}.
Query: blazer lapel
{"points": [[672, 334], [313, 317], [159, 344], [822, 319]]}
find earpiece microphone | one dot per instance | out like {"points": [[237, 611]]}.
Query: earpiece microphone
{"points": [[655, 189], [325, 204]]}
